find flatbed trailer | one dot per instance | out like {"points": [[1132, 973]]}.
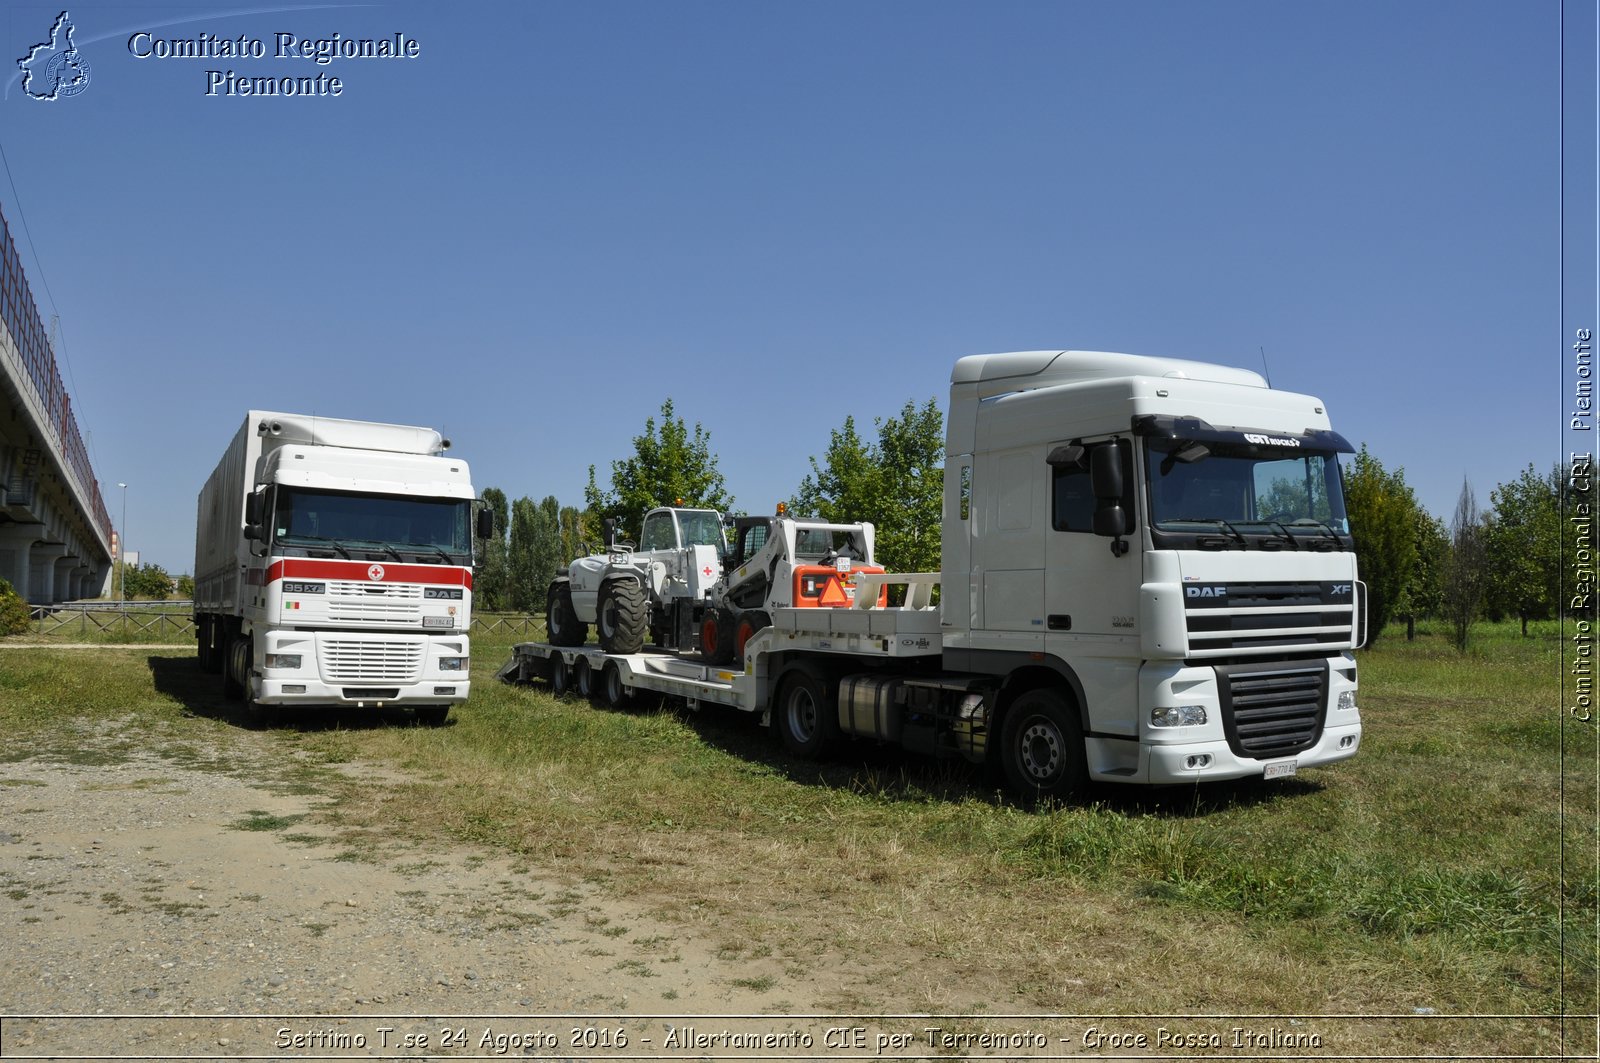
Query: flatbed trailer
{"points": [[864, 637]]}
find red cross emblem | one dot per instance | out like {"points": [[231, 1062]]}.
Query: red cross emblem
{"points": [[706, 572], [375, 572]]}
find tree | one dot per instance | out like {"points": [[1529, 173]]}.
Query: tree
{"points": [[548, 556], [1464, 576], [669, 467], [1522, 547], [524, 593], [897, 483], [572, 536], [146, 582], [491, 583], [15, 618], [186, 587], [1423, 592], [1383, 520]]}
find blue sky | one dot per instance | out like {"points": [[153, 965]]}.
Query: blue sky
{"points": [[561, 213]]}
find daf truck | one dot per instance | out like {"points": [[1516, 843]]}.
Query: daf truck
{"points": [[333, 566], [1147, 576]]}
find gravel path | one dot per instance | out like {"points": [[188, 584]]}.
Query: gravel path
{"points": [[155, 885]]}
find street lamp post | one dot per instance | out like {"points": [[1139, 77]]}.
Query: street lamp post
{"points": [[122, 547]]}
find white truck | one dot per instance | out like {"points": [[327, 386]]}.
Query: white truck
{"points": [[1148, 577], [333, 566]]}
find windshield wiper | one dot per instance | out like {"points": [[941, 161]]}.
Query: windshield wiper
{"points": [[1288, 536], [335, 543], [1219, 522], [1327, 529]]}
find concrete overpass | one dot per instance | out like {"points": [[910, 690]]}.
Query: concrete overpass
{"points": [[55, 533]]}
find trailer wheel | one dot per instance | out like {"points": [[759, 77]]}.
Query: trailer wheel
{"points": [[1041, 747], [620, 616], [582, 678], [749, 624], [717, 636], [613, 694], [560, 676], [806, 719], [561, 620]]}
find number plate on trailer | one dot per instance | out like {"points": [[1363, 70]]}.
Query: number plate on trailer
{"points": [[1281, 769]]}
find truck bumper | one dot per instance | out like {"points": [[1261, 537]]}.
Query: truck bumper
{"points": [[359, 669], [1192, 762]]}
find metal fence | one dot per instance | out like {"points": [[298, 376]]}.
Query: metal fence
{"points": [[173, 618]]}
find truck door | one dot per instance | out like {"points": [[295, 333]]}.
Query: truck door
{"points": [[1091, 592]]}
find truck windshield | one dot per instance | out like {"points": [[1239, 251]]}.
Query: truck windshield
{"points": [[432, 528], [1237, 490]]}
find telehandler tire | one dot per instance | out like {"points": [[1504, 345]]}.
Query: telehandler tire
{"points": [[621, 616], [561, 621]]}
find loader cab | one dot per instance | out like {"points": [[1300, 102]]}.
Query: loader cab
{"points": [[673, 529]]}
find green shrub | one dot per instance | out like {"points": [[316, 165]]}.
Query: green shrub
{"points": [[14, 617]]}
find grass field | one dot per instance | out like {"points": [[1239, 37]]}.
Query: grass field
{"points": [[1447, 871]]}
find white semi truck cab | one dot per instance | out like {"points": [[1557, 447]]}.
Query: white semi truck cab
{"points": [[334, 566], [1147, 577], [1152, 558]]}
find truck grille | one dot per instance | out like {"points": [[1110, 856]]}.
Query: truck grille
{"points": [[1227, 619], [1273, 710], [392, 602], [355, 661]]}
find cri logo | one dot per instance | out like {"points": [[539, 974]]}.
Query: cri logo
{"points": [[375, 572]]}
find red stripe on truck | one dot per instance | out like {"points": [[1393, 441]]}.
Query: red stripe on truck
{"points": [[369, 571]]}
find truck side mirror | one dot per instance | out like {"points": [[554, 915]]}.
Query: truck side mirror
{"points": [[1105, 480], [486, 524], [252, 508]]}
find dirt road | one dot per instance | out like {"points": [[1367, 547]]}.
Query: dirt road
{"points": [[160, 882]]}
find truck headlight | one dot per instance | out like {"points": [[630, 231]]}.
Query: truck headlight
{"points": [[1347, 700], [453, 664], [283, 660], [1177, 715]]}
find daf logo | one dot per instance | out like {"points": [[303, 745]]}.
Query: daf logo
{"points": [[1206, 592], [375, 572]]}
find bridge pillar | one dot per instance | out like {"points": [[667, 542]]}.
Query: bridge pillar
{"points": [[16, 560], [42, 580], [63, 578]]}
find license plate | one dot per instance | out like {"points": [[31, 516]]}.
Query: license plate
{"points": [[438, 621], [1281, 769]]}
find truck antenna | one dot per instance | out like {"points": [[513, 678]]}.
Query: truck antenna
{"points": [[1264, 368]]}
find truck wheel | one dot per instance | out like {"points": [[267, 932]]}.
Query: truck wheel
{"points": [[620, 616], [431, 715], [613, 694], [561, 620], [749, 624], [716, 636], [560, 676], [583, 678], [1041, 747], [235, 668], [806, 719]]}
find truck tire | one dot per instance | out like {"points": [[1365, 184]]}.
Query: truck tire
{"points": [[583, 678], [613, 694], [1041, 747], [431, 715], [620, 616], [806, 717], [560, 676], [235, 668], [716, 636], [749, 624], [561, 621]]}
